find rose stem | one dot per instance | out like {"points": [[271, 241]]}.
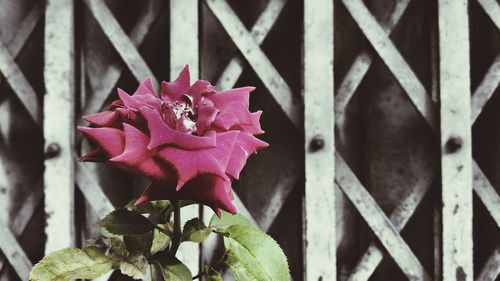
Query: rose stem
{"points": [[176, 239], [152, 269]]}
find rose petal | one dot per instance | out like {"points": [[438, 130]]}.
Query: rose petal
{"points": [[190, 163], [208, 190], [110, 140], [254, 128], [162, 134], [96, 155], [206, 116], [138, 159], [145, 88], [245, 146], [102, 119], [173, 90]]}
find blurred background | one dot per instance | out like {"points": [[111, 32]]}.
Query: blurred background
{"points": [[62, 59]]}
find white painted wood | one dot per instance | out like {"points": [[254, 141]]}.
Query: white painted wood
{"points": [[486, 88], [59, 124], [184, 49], [392, 59], [456, 164], [319, 198], [492, 9], [263, 67], [361, 64], [486, 193], [380, 224], [491, 269], [122, 43], [259, 31], [13, 252], [114, 71], [87, 183], [399, 218]]}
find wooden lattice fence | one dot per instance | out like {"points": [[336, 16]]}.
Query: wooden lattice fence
{"points": [[382, 117]]}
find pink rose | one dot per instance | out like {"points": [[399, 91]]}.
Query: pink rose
{"points": [[191, 142]]}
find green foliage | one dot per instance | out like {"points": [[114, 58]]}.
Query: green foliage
{"points": [[254, 255], [227, 220], [173, 270], [211, 274], [195, 230], [71, 263], [160, 240], [139, 243], [125, 222], [135, 266]]}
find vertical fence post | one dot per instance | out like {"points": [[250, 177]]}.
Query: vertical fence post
{"points": [[184, 50], [59, 124], [456, 155], [319, 207]]}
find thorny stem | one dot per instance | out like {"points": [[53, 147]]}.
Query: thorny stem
{"points": [[152, 269], [176, 239]]}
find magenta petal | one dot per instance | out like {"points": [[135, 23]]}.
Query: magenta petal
{"points": [[245, 146], [226, 98], [238, 114], [138, 159], [102, 119], [173, 90], [206, 116], [162, 134], [110, 140], [145, 88], [254, 128], [96, 155], [127, 100], [191, 163]]}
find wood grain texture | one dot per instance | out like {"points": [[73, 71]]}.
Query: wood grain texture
{"points": [[456, 160], [319, 197], [59, 125]]}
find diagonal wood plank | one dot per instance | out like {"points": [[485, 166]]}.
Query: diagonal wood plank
{"points": [[91, 190], [120, 40], [264, 69], [110, 76], [491, 269], [14, 253], [486, 88], [492, 9], [399, 217], [380, 224], [361, 64], [392, 59], [259, 31]]}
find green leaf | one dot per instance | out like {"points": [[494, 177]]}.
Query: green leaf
{"points": [[195, 230], [254, 255], [227, 220], [71, 263], [125, 222], [139, 243], [211, 274], [160, 241], [173, 269], [117, 248], [134, 266]]}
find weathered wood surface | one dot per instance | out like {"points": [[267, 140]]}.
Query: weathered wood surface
{"points": [[456, 147], [319, 197], [59, 125]]}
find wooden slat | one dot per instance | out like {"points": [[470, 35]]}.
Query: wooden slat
{"points": [[486, 88], [456, 152], [492, 9], [113, 71], [392, 59], [319, 198], [59, 124], [361, 64], [259, 62], [379, 222], [491, 269], [184, 49], [14, 253], [259, 31], [19, 84], [122, 43], [486, 193], [399, 218], [87, 184]]}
